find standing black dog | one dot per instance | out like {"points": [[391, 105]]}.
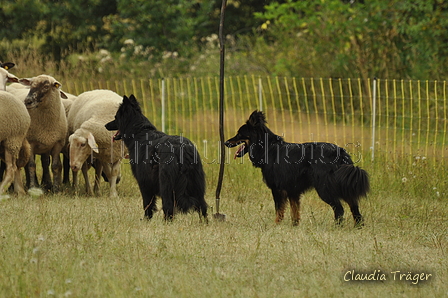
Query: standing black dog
{"points": [[290, 169], [163, 165]]}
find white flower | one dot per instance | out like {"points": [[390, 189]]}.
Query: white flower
{"points": [[104, 52], [129, 42], [166, 55], [106, 59], [404, 179]]}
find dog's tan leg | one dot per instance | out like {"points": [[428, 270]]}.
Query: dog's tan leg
{"points": [[295, 210], [280, 212], [280, 198]]}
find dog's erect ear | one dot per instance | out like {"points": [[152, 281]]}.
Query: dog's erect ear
{"points": [[132, 98], [256, 118], [134, 102]]}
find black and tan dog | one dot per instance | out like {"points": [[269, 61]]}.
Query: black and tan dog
{"points": [[289, 169], [164, 165]]}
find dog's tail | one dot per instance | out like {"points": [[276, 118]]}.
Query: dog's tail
{"points": [[353, 182], [189, 191]]}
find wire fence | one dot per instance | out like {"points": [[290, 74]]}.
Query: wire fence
{"points": [[391, 118]]}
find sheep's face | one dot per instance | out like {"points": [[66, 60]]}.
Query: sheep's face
{"points": [[80, 149], [40, 87]]}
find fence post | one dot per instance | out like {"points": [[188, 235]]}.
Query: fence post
{"points": [[260, 95], [373, 118], [163, 105]]}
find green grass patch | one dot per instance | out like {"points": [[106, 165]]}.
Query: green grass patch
{"points": [[72, 245]]}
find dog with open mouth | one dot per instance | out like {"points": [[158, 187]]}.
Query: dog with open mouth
{"points": [[290, 169]]}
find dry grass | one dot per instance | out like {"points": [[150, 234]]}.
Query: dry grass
{"points": [[73, 245]]}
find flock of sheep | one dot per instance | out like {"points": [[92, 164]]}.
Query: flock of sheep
{"points": [[37, 117]]}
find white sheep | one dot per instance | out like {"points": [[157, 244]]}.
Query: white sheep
{"points": [[48, 129], [87, 117], [14, 124]]}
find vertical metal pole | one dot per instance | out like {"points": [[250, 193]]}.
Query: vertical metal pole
{"points": [[163, 105], [260, 95], [373, 118], [221, 105]]}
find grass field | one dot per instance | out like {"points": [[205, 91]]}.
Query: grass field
{"points": [[69, 245]]}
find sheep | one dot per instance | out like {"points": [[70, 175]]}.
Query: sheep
{"points": [[14, 124], [48, 129], [87, 117], [21, 92]]}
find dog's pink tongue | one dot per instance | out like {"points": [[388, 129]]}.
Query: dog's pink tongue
{"points": [[113, 137], [240, 149]]}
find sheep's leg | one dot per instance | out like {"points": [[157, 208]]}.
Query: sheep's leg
{"points": [[56, 167], [85, 169], [30, 170], [11, 168], [66, 169], [18, 183], [98, 171], [113, 179], [75, 179], [46, 177], [2, 169], [112, 172]]}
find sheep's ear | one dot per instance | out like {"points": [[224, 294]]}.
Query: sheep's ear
{"points": [[7, 65], [92, 143], [63, 95], [26, 82], [12, 78]]}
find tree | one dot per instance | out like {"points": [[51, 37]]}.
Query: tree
{"points": [[373, 38], [19, 17]]}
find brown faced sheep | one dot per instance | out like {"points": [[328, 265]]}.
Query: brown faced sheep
{"points": [[87, 117], [14, 124], [21, 91], [48, 129]]}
